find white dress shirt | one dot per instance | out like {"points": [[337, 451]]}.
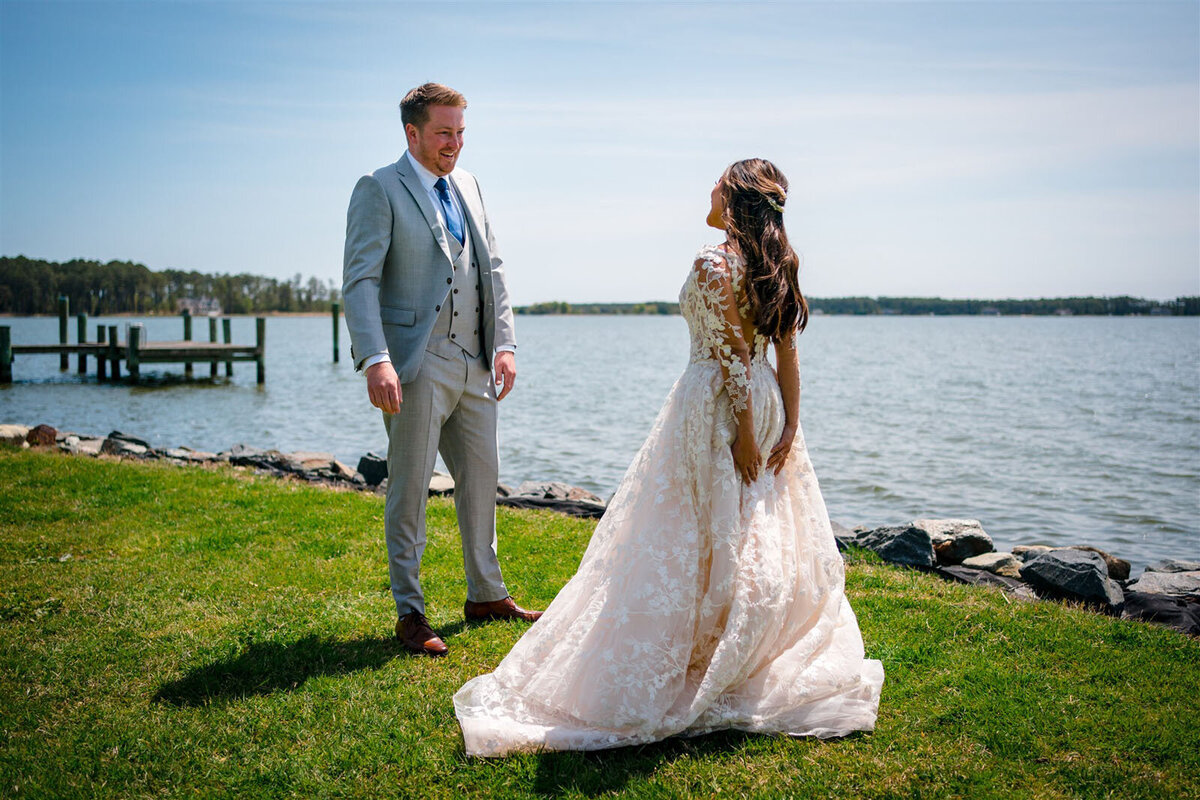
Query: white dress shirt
{"points": [[428, 181]]}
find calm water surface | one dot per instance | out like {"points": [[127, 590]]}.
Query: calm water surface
{"points": [[1057, 431]]}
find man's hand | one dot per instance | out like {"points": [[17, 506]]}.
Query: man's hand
{"points": [[505, 372], [383, 387]]}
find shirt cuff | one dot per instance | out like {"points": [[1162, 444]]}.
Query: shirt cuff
{"points": [[506, 348], [378, 358]]}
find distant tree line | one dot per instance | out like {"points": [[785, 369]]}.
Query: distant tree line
{"points": [[31, 286], [923, 306], [599, 308]]}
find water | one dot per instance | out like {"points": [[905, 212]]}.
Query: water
{"points": [[1049, 430]]}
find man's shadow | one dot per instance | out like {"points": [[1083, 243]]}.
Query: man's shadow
{"points": [[266, 667]]}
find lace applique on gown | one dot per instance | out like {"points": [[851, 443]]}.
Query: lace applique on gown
{"points": [[700, 604]]}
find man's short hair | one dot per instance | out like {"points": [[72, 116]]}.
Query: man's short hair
{"points": [[414, 108]]}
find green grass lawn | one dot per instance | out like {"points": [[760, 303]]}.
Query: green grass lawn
{"points": [[170, 632]]}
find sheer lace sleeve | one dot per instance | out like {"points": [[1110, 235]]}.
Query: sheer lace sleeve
{"points": [[722, 328]]}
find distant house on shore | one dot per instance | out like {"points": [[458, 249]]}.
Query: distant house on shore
{"points": [[1063, 312], [199, 307]]}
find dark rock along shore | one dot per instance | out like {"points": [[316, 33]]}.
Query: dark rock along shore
{"points": [[1167, 592]]}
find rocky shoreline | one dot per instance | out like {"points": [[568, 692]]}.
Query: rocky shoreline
{"points": [[1167, 592]]}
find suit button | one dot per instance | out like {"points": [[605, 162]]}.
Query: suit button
{"points": [[452, 336], [456, 291], [474, 331], [456, 313], [437, 308], [449, 280]]}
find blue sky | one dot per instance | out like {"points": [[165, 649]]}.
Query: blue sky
{"points": [[966, 149]]}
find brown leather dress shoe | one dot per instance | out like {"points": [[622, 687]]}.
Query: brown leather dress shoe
{"points": [[497, 609], [414, 633]]}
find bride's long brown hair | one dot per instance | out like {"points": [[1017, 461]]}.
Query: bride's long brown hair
{"points": [[755, 191]]}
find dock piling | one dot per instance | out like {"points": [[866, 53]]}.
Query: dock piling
{"points": [[337, 308], [260, 347], [6, 355], [132, 362], [212, 337], [187, 337], [114, 357], [227, 333], [81, 333], [64, 311], [101, 360]]}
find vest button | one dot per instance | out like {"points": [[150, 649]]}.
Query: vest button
{"points": [[437, 308], [456, 291], [452, 336], [449, 280], [456, 313]]}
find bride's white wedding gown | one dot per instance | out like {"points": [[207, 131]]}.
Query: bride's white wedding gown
{"points": [[701, 604]]}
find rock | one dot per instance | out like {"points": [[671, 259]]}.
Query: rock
{"points": [[441, 484], [1174, 612], [1028, 551], [982, 577], [955, 539], [1073, 575], [503, 490], [381, 489], [843, 536], [304, 461], [1172, 584], [1005, 564], [901, 544], [42, 436], [1174, 565], [81, 445], [1118, 568], [14, 435], [554, 490], [120, 444], [575, 508], [373, 468]]}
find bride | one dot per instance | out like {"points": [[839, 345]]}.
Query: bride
{"points": [[711, 593]]}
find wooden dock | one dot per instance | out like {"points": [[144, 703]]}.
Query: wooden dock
{"points": [[109, 351]]}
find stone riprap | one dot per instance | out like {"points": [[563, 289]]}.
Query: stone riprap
{"points": [[955, 540], [1072, 574]]}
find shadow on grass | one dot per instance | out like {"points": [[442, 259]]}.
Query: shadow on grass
{"points": [[605, 771], [267, 667]]}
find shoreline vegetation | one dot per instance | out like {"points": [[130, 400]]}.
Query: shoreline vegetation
{"points": [[180, 632], [31, 287]]}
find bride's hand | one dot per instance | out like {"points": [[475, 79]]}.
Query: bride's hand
{"points": [[746, 458], [781, 451]]}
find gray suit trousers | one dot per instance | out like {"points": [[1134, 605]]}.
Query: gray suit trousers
{"points": [[449, 407]]}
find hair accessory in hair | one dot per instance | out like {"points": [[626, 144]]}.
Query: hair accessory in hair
{"points": [[773, 204]]}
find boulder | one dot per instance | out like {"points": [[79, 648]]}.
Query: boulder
{"points": [[1005, 564], [373, 468], [1181, 614], [1118, 568], [14, 435], [981, 577], [441, 484], [843, 536], [122, 444], [503, 490], [574, 508], [554, 490], [1171, 584], [1073, 575], [1174, 565], [42, 436], [304, 461], [955, 539], [1028, 551], [900, 544]]}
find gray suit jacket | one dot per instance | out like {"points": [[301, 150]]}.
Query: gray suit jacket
{"points": [[397, 267]]}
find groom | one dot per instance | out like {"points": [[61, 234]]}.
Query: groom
{"points": [[430, 323]]}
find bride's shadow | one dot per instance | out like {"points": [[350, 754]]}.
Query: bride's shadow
{"points": [[608, 771], [604, 771], [266, 667]]}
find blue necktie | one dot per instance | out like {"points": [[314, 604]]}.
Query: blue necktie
{"points": [[453, 220]]}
